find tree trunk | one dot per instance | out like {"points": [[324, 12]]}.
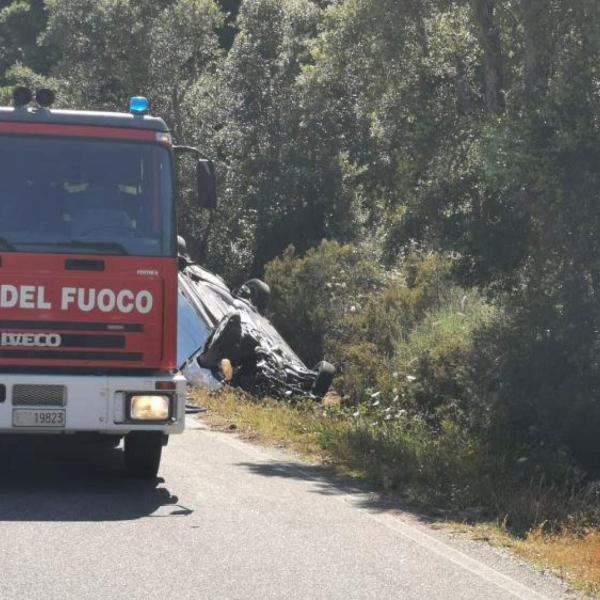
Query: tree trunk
{"points": [[178, 131], [463, 90], [536, 40], [489, 38], [202, 247]]}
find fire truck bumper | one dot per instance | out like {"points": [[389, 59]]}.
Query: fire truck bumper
{"points": [[112, 405]]}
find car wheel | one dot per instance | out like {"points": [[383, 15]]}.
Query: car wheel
{"points": [[260, 294], [325, 374]]}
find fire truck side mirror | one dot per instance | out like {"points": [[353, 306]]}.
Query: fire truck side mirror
{"points": [[207, 184]]}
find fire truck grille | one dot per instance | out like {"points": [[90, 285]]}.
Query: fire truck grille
{"points": [[39, 395]]}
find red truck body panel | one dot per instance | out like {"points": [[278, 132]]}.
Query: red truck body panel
{"points": [[93, 312], [108, 133], [120, 317]]}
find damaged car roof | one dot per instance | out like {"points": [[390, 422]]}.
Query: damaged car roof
{"points": [[216, 325]]}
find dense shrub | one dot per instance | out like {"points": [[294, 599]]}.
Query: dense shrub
{"points": [[403, 341], [415, 345], [425, 370], [311, 293], [549, 385]]}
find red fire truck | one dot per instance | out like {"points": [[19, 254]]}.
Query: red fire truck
{"points": [[88, 275]]}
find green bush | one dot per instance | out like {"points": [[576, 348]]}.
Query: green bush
{"points": [[415, 345], [446, 394], [312, 293], [407, 340], [549, 384]]}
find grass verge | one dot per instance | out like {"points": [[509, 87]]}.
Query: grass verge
{"points": [[441, 475], [575, 558]]}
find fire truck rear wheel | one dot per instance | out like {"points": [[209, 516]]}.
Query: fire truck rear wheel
{"points": [[143, 450]]}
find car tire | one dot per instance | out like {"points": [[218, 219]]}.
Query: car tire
{"points": [[260, 294], [143, 451], [323, 380]]}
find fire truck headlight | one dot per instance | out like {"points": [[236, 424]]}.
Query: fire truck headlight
{"points": [[149, 407]]}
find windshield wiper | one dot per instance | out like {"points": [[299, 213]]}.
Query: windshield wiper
{"points": [[115, 247], [6, 245]]}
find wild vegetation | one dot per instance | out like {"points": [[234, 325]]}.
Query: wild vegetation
{"points": [[417, 180], [443, 476]]}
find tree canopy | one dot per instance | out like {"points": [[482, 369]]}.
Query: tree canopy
{"points": [[469, 128]]}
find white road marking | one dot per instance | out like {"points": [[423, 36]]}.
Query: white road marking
{"points": [[395, 523]]}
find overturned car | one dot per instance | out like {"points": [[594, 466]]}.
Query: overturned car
{"points": [[224, 337]]}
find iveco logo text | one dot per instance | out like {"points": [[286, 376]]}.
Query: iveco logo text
{"points": [[40, 340]]}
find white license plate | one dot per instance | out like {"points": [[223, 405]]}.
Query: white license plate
{"points": [[39, 418]]}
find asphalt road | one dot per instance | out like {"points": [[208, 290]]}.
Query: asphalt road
{"points": [[225, 520]]}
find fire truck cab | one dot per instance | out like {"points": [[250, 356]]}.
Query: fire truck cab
{"points": [[88, 276]]}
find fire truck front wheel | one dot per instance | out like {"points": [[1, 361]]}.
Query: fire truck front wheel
{"points": [[143, 450]]}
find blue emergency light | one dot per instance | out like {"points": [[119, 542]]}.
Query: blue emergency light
{"points": [[138, 105]]}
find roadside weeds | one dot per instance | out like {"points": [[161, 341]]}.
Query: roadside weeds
{"points": [[572, 552]]}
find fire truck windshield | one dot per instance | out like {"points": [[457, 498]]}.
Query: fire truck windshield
{"points": [[85, 197]]}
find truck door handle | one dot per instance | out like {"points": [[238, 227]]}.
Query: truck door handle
{"points": [[82, 264]]}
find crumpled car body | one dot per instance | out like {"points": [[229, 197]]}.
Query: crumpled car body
{"points": [[218, 327]]}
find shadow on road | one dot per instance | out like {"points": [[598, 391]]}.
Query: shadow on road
{"points": [[61, 479], [326, 481]]}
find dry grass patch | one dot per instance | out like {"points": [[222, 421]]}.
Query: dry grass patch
{"points": [[267, 422], [576, 558]]}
